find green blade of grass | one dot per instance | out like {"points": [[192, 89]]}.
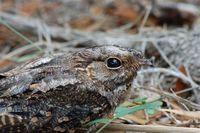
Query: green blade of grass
{"points": [[18, 33], [122, 111], [98, 121], [26, 57], [104, 126]]}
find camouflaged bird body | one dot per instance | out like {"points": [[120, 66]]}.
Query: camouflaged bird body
{"points": [[64, 92]]}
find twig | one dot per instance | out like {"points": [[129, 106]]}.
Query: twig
{"points": [[164, 56], [183, 91], [193, 84], [151, 128], [168, 95], [18, 33], [25, 23], [68, 34], [171, 72], [146, 16], [21, 50]]}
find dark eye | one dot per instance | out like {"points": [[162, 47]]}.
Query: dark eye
{"points": [[113, 63]]}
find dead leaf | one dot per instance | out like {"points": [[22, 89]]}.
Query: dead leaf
{"points": [[136, 119], [81, 23], [180, 85]]}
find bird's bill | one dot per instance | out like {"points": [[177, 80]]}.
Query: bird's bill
{"points": [[146, 62]]}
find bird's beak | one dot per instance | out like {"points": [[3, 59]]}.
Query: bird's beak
{"points": [[146, 62]]}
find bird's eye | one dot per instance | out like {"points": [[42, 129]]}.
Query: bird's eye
{"points": [[113, 63]]}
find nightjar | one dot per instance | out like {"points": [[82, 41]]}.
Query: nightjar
{"points": [[61, 93]]}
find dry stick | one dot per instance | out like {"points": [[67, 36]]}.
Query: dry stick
{"points": [[165, 57], [195, 90], [171, 72], [168, 95], [146, 16], [31, 24], [151, 128], [177, 74], [21, 50], [18, 33], [193, 84], [189, 79], [27, 23], [183, 91]]}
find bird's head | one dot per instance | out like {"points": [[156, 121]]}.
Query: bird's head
{"points": [[113, 67], [110, 63]]}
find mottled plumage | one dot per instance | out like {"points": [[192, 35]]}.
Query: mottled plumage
{"points": [[61, 93]]}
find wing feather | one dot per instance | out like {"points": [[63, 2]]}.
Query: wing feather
{"points": [[42, 74]]}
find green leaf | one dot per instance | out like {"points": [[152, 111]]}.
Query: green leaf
{"points": [[152, 108], [150, 111], [121, 111], [140, 100]]}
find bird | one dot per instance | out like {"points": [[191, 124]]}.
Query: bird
{"points": [[61, 93]]}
